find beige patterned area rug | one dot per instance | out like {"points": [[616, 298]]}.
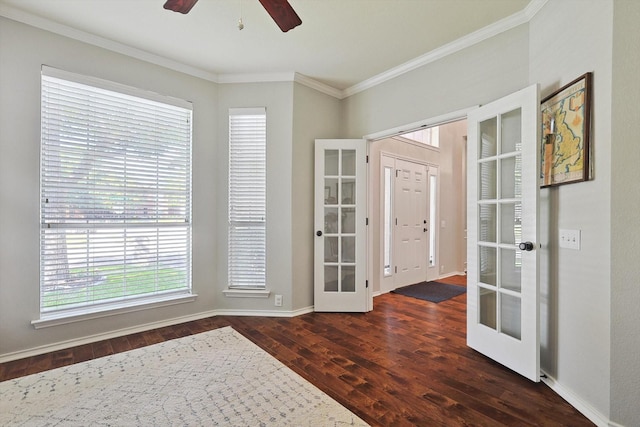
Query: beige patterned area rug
{"points": [[216, 378]]}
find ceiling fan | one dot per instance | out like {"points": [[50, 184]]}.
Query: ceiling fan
{"points": [[280, 10]]}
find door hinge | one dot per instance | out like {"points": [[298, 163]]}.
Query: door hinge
{"points": [[396, 269], [367, 222], [367, 158], [366, 283], [397, 173]]}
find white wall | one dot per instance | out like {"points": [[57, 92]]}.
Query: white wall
{"points": [[575, 288], [23, 50], [625, 216]]}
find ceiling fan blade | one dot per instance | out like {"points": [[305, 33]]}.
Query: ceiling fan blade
{"points": [[282, 12], [182, 6]]}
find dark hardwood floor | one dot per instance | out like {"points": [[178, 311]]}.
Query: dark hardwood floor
{"points": [[403, 364]]}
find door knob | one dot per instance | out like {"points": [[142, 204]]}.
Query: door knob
{"points": [[526, 246], [318, 233]]}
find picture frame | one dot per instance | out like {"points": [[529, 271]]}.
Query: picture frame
{"points": [[566, 133]]}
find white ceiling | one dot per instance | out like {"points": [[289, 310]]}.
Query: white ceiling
{"points": [[341, 43]]}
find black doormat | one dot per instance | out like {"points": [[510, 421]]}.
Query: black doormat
{"points": [[431, 291]]}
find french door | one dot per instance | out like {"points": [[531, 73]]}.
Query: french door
{"points": [[502, 206], [340, 218]]}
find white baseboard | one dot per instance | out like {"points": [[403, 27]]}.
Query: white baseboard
{"points": [[264, 313], [8, 357], [455, 273], [583, 407]]}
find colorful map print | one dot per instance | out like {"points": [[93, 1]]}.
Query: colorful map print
{"points": [[564, 151]]}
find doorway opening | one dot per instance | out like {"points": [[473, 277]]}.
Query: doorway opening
{"points": [[417, 183]]}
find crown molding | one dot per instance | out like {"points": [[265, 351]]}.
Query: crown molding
{"points": [[82, 36], [319, 86], [471, 39], [255, 78], [533, 8], [485, 33]]}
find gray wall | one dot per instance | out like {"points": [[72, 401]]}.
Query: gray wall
{"points": [[278, 100], [23, 50], [575, 286], [564, 40], [625, 217], [473, 76], [315, 116], [589, 307]]}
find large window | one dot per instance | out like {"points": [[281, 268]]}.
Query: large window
{"points": [[115, 196], [247, 198]]}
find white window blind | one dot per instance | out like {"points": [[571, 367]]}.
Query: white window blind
{"points": [[247, 198], [115, 196]]}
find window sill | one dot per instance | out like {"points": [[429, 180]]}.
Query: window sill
{"points": [[111, 310], [246, 293]]}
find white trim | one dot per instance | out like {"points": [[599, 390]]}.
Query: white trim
{"points": [[264, 313], [455, 273], [109, 85], [499, 27], [48, 348], [75, 34], [319, 86], [577, 402], [464, 42], [433, 121], [35, 351], [255, 78], [246, 293], [65, 318], [247, 111], [534, 7]]}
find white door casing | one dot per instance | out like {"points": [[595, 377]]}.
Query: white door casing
{"points": [[340, 216], [502, 211]]}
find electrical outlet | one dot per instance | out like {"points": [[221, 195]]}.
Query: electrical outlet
{"points": [[278, 301], [569, 239]]}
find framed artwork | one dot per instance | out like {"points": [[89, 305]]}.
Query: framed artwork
{"points": [[566, 125]]}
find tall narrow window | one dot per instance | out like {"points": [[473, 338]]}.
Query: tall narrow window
{"points": [[115, 196], [388, 219], [433, 215], [247, 198]]}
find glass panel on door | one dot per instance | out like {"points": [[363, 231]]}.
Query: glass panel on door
{"points": [[499, 223], [339, 221]]}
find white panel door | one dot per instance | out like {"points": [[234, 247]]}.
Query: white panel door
{"points": [[340, 215], [411, 223], [502, 207]]}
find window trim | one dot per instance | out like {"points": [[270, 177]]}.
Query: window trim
{"points": [[101, 308], [253, 290]]}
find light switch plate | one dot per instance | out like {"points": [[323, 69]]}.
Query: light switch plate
{"points": [[569, 239]]}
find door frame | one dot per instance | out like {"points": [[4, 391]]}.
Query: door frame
{"points": [[443, 119], [430, 166]]}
